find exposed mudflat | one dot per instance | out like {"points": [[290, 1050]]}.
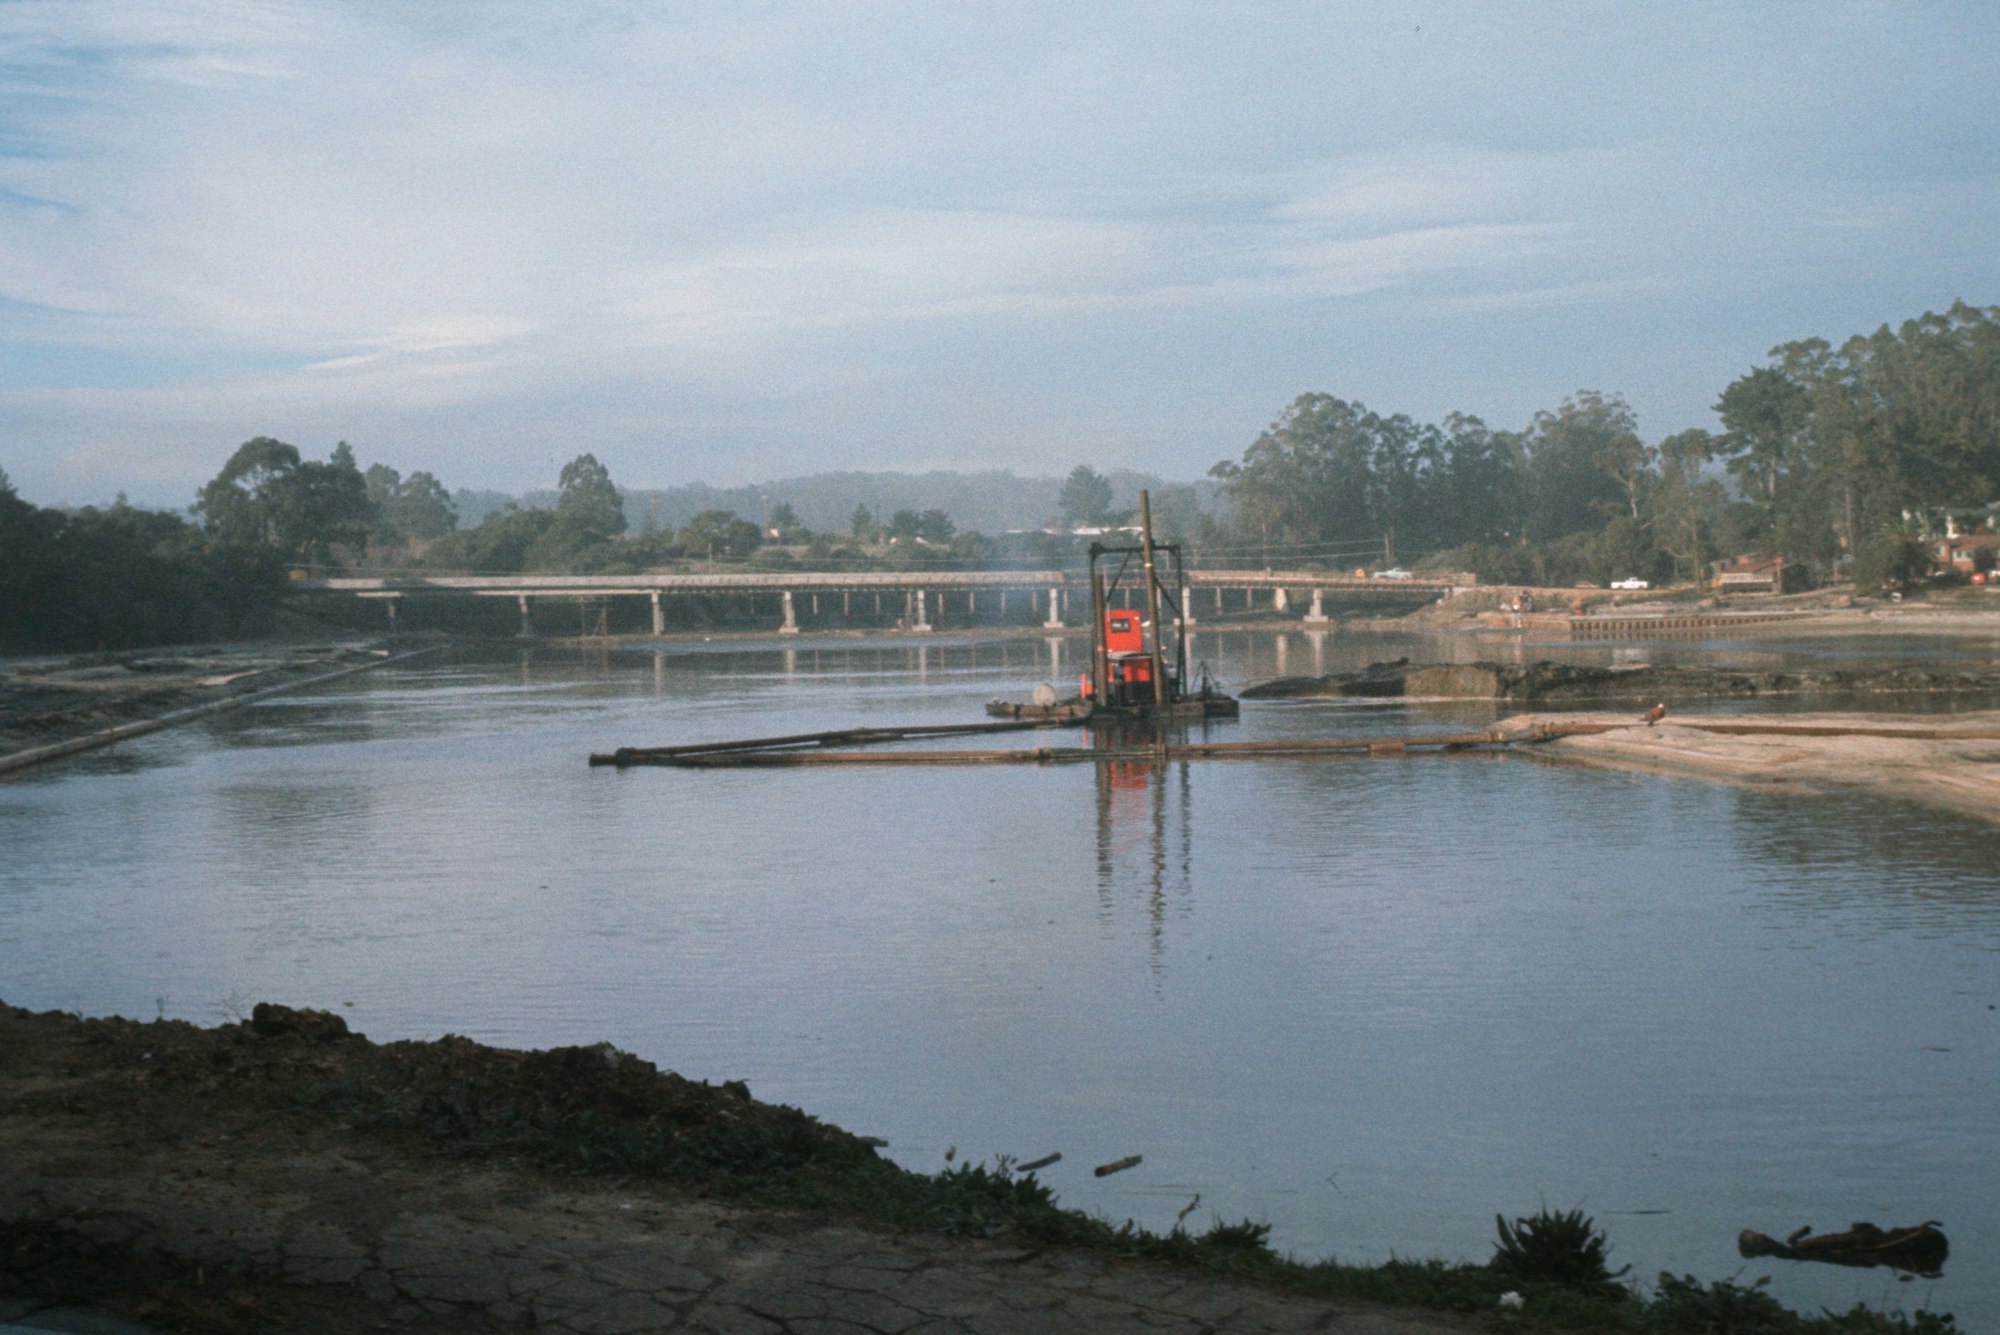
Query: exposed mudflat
{"points": [[1947, 761]]}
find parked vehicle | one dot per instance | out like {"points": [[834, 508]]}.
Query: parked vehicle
{"points": [[1631, 584], [1394, 572]]}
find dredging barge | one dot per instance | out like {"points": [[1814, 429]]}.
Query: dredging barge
{"points": [[1137, 673]]}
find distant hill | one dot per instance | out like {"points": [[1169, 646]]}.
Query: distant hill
{"points": [[990, 502]]}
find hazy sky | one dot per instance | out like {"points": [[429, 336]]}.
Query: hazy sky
{"points": [[730, 242]]}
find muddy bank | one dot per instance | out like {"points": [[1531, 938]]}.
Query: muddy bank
{"points": [[282, 1174], [1952, 763], [1545, 682]]}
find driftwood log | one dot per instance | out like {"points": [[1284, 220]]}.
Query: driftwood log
{"points": [[1920, 1249]]}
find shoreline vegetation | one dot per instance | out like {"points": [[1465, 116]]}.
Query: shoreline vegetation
{"points": [[281, 1172]]}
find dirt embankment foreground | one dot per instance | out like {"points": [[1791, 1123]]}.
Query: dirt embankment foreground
{"points": [[283, 1175], [1950, 761]]}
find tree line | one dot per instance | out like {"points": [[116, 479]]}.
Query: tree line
{"points": [[1831, 456]]}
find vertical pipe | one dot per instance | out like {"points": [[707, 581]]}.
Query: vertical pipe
{"points": [[1152, 603], [1100, 667]]}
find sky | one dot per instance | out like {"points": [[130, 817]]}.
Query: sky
{"points": [[734, 242]]}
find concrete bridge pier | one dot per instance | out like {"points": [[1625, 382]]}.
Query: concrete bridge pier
{"points": [[923, 621], [1279, 602], [659, 618], [1316, 614], [1055, 609], [394, 604], [527, 622], [791, 626]]}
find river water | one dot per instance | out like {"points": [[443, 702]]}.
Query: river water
{"points": [[1372, 1003]]}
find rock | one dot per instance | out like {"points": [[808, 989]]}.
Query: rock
{"points": [[275, 1021]]}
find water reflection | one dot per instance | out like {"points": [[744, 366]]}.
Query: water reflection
{"points": [[1143, 836]]}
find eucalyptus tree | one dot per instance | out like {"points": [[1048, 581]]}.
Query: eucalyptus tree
{"points": [[588, 500], [413, 508], [1686, 501], [1308, 481], [1086, 498], [1584, 463], [304, 510]]}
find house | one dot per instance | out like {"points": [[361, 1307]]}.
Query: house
{"points": [[1758, 574], [1953, 521], [1967, 552]]}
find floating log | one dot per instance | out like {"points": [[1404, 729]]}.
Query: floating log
{"points": [[1080, 755], [1920, 1249], [666, 755], [1042, 1162], [1119, 1165]]}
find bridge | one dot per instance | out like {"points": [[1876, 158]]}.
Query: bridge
{"points": [[1053, 595]]}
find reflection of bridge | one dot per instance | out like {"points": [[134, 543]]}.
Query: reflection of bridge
{"points": [[1049, 594]]}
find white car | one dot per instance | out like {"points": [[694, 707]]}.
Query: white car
{"points": [[1394, 572], [1630, 584]]}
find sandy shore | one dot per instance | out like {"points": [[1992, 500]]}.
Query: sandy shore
{"points": [[1948, 761]]}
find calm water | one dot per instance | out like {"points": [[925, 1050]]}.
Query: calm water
{"points": [[1371, 1003]]}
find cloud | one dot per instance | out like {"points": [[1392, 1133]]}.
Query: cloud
{"points": [[821, 227]]}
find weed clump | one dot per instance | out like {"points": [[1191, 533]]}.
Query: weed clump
{"points": [[1563, 1249]]}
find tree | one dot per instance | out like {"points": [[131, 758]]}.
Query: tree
{"points": [[1583, 465], [935, 527], [589, 501], [266, 497], [718, 535], [320, 507], [498, 545], [1477, 490], [863, 525], [1764, 416], [239, 505], [415, 508], [1306, 481], [1685, 501], [784, 522], [1086, 499]]}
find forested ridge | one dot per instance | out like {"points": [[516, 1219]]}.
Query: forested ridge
{"points": [[1840, 458]]}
